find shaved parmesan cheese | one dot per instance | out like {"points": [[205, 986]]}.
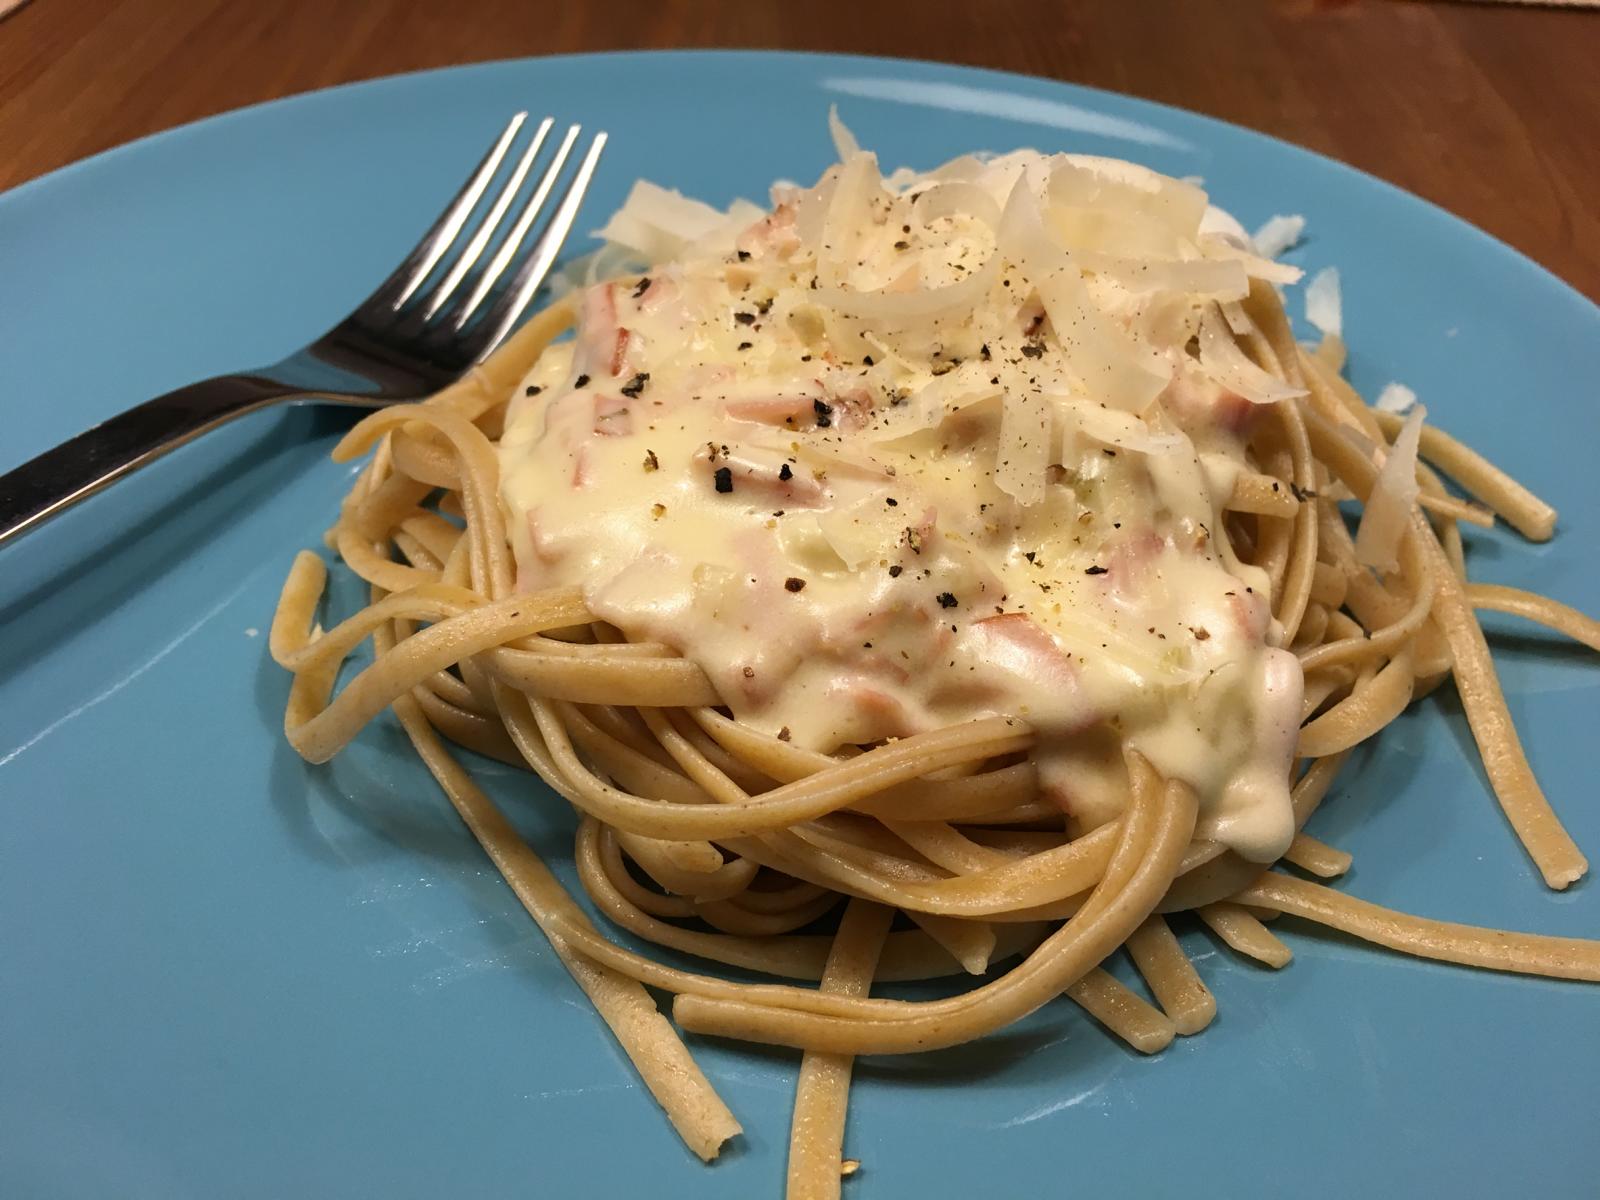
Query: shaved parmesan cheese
{"points": [[946, 394], [1110, 427], [950, 197], [849, 216], [1201, 277], [892, 312], [967, 168], [1112, 231], [863, 530], [606, 262], [1223, 361], [844, 142], [1324, 310], [1388, 509], [1024, 447], [1279, 234], [1109, 364], [1220, 223], [1238, 320], [1395, 398], [1254, 265], [1084, 181], [806, 545], [658, 223], [902, 178]]}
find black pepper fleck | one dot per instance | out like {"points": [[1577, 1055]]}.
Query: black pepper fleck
{"points": [[1095, 570], [947, 600], [635, 386], [794, 583], [724, 479], [532, 391], [644, 286], [581, 381]]}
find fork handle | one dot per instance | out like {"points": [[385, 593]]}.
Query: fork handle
{"points": [[97, 457]]}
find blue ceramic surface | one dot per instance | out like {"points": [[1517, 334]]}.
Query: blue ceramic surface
{"points": [[225, 973]]}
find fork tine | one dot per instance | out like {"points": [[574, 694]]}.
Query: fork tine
{"points": [[474, 249], [425, 255], [519, 232], [531, 274]]}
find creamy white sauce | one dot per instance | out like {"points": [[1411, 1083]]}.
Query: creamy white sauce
{"points": [[819, 507]]}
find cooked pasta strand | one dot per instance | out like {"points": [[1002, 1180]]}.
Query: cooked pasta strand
{"points": [[1245, 933], [816, 1138], [1171, 976], [1307, 853], [1125, 1013], [1552, 614], [1468, 945]]}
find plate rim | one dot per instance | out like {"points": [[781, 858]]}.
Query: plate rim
{"points": [[113, 155], [1169, 115]]}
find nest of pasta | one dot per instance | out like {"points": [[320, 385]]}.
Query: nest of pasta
{"points": [[925, 856]]}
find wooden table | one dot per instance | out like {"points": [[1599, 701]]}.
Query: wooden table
{"points": [[1492, 111]]}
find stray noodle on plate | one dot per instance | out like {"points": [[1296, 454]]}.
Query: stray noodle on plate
{"points": [[959, 555]]}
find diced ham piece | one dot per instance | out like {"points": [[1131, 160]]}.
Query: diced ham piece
{"points": [[1233, 412], [872, 712], [1018, 645], [531, 573], [776, 232], [596, 346], [1251, 613], [619, 352], [1129, 562], [789, 410], [852, 408], [582, 476], [1195, 403]]}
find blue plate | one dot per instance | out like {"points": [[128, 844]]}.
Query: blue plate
{"points": [[225, 973]]}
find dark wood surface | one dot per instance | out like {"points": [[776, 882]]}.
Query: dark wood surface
{"points": [[1490, 110]]}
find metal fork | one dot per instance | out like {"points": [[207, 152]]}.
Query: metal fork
{"points": [[444, 309]]}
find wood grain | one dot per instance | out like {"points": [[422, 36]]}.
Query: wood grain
{"points": [[1489, 110]]}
